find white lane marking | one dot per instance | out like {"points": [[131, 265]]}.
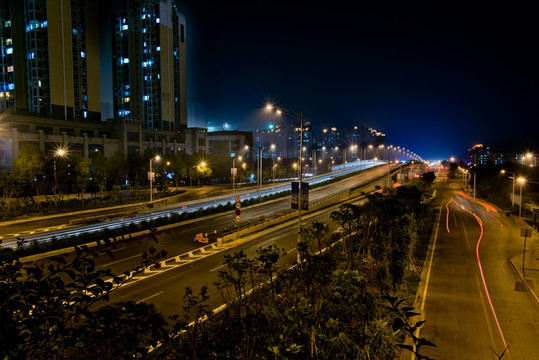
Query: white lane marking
{"points": [[289, 251], [149, 297], [115, 262], [268, 245], [218, 267]]}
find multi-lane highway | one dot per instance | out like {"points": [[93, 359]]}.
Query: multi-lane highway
{"points": [[473, 303], [57, 227], [189, 266]]}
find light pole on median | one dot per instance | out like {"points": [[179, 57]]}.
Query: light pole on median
{"points": [[151, 176], [298, 116]]}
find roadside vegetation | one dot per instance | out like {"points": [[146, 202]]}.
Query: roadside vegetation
{"points": [[346, 302]]}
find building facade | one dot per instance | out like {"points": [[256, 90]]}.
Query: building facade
{"points": [[149, 64], [49, 64]]}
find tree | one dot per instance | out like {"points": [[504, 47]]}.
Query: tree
{"points": [[29, 169], [82, 173]]}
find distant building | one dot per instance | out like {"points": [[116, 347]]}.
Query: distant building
{"points": [[286, 140], [234, 143], [480, 154], [196, 116]]}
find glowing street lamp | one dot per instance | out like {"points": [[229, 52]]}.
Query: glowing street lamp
{"points": [[151, 176], [60, 152], [514, 177], [522, 181], [298, 116]]}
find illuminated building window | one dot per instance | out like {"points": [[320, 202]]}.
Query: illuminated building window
{"points": [[10, 68], [83, 54], [125, 27], [158, 48], [9, 51], [75, 32], [157, 20]]}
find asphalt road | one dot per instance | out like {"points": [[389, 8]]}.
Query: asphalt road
{"points": [[474, 306], [162, 285]]}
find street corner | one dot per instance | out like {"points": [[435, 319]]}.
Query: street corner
{"points": [[527, 268]]}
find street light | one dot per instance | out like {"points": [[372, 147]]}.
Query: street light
{"points": [[514, 177], [60, 152], [151, 176], [521, 181], [298, 116], [234, 170]]}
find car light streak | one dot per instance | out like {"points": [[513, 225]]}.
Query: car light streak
{"points": [[115, 224], [483, 278], [447, 215], [487, 206]]}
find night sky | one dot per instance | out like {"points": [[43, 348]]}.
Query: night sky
{"points": [[435, 78]]}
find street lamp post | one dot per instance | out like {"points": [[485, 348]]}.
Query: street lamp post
{"points": [[151, 176], [234, 170], [60, 152], [521, 181], [514, 177], [297, 116]]}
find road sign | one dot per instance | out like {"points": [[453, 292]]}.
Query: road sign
{"points": [[238, 205], [525, 232], [238, 218], [238, 212], [149, 205], [237, 198]]}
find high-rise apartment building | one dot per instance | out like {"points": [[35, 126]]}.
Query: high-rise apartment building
{"points": [[149, 64], [49, 63]]}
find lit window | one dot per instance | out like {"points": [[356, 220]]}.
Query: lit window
{"points": [[83, 54], [157, 20], [126, 93], [126, 99], [126, 61], [127, 86], [158, 48], [158, 76], [31, 55], [125, 27], [123, 21], [75, 32], [44, 23], [10, 86], [9, 50], [7, 23], [39, 83], [85, 114], [146, 97], [10, 68], [8, 41]]}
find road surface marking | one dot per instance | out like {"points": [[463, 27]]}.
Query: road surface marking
{"points": [[289, 251], [149, 297], [118, 261], [268, 245], [218, 267]]}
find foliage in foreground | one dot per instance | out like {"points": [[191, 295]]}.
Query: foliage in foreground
{"points": [[337, 304]]}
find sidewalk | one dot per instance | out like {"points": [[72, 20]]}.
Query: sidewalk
{"points": [[529, 274]]}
